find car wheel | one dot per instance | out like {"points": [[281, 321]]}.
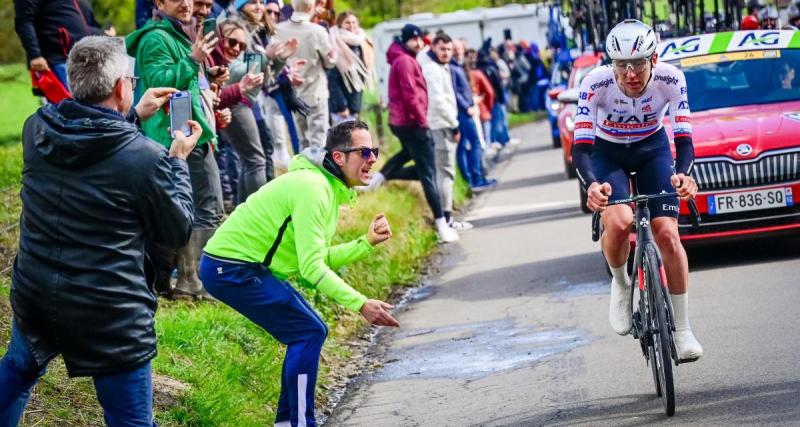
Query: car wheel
{"points": [[571, 174], [556, 141], [583, 198]]}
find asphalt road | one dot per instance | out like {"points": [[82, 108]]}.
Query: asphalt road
{"points": [[514, 330]]}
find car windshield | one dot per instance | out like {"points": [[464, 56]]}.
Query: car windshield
{"points": [[758, 77]]}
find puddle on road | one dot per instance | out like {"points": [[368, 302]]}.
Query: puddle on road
{"points": [[565, 289], [475, 350]]}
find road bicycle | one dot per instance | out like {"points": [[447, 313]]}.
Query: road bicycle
{"points": [[653, 323]]}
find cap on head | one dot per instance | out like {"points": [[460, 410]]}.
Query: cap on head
{"points": [[410, 31], [631, 39]]}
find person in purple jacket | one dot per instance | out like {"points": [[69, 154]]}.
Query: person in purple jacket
{"points": [[408, 111]]}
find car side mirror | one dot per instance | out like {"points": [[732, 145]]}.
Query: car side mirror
{"points": [[569, 96]]}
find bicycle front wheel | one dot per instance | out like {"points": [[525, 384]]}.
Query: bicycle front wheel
{"points": [[661, 349]]}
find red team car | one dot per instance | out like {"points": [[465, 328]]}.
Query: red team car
{"points": [[744, 97]]}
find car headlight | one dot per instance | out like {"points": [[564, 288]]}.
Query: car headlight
{"points": [[555, 106], [570, 124]]}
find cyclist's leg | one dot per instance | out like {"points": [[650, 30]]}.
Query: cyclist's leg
{"points": [[617, 220], [654, 178]]}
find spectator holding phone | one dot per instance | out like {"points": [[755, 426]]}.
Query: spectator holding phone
{"points": [[242, 133], [313, 47], [94, 188], [167, 56]]}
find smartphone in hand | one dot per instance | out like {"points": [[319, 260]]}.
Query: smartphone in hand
{"points": [[253, 62], [209, 26], [180, 112]]}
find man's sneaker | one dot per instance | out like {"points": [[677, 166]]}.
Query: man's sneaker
{"points": [[447, 234], [514, 141], [689, 349], [619, 310], [461, 225]]}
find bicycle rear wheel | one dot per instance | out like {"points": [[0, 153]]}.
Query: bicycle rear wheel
{"points": [[661, 349]]}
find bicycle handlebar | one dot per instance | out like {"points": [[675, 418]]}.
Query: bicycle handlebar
{"points": [[694, 214]]}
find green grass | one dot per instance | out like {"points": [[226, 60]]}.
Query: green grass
{"points": [[227, 369], [517, 119]]}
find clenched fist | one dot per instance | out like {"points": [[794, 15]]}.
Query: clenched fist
{"points": [[379, 230]]}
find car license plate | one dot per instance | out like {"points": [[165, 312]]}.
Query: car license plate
{"points": [[750, 200]]}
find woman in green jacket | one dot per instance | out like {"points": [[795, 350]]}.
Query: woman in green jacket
{"points": [[285, 230]]}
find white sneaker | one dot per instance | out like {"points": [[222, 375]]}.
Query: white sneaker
{"points": [[514, 141], [689, 349], [619, 310], [446, 234], [461, 225]]}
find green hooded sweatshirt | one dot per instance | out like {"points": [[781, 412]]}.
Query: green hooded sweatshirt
{"points": [[305, 203], [163, 59]]}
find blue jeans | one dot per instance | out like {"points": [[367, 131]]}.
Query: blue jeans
{"points": [[126, 397], [499, 132], [469, 153], [279, 309], [289, 122], [60, 70]]}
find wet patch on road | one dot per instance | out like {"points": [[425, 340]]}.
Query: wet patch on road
{"points": [[475, 350], [566, 289]]}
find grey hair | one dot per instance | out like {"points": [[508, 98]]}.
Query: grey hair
{"points": [[303, 5], [94, 65]]}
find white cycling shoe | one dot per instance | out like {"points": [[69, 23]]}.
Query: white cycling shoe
{"points": [[619, 310], [689, 349]]}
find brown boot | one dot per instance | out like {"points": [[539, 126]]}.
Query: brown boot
{"points": [[189, 285], [163, 260]]}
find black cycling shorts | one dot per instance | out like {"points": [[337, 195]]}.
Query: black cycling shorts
{"points": [[652, 161]]}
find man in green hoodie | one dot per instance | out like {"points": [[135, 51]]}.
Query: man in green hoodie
{"points": [[166, 56], [285, 230]]}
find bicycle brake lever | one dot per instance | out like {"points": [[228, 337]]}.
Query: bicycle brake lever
{"points": [[694, 215], [596, 226]]}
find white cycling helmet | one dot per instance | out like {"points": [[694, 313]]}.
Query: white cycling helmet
{"points": [[631, 39]]}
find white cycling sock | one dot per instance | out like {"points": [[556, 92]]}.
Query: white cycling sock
{"points": [[620, 275], [680, 307]]}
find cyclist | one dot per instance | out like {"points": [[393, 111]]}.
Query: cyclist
{"points": [[618, 130]]}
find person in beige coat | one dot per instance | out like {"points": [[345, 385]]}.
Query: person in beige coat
{"points": [[315, 49]]}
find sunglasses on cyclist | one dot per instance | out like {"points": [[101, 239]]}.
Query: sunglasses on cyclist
{"points": [[366, 152], [636, 65], [232, 43]]}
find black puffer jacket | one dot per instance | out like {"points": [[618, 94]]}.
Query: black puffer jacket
{"points": [[94, 188]]}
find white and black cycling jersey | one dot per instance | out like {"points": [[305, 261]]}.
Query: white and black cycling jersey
{"points": [[604, 111]]}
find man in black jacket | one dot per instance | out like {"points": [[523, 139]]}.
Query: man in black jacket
{"points": [[94, 188], [49, 28]]}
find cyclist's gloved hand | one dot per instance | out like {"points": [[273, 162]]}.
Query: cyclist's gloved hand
{"points": [[597, 196], [685, 185]]}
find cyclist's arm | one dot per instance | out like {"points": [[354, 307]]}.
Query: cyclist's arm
{"points": [[680, 117], [585, 117]]}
